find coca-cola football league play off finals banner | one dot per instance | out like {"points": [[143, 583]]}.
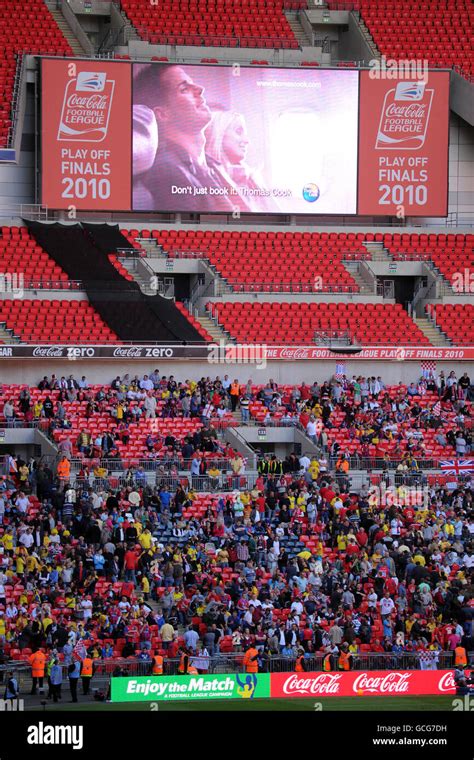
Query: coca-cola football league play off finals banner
{"points": [[403, 145], [86, 135]]}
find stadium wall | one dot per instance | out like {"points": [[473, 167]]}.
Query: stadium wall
{"points": [[291, 372]]}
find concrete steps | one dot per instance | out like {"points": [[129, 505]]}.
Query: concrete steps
{"points": [[368, 37], [131, 33], [433, 333], [67, 32], [352, 267], [7, 336], [378, 251], [218, 334], [152, 248], [145, 285], [298, 31]]}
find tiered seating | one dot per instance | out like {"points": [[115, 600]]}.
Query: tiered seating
{"points": [[24, 28], [431, 447], [296, 324], [21, 254], [217, 23], [439, 31], [271, 261], [101, 422], [456, 321], [58, 321], [451, 254]]}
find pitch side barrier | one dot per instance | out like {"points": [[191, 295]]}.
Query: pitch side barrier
{"points": [[281, 685]]}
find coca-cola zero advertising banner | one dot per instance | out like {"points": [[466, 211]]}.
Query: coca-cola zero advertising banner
{"points": [[86, 135], [380, 683], [403, 145]]}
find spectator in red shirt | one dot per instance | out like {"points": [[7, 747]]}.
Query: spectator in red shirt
{"points": [[130, 564]]}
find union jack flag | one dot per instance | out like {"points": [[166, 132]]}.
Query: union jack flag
{"points": [[457, 466]]}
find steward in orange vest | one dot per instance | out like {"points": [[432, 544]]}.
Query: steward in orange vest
{"points": [[157, 666], [460, 656], [345, 660], [250, 660], [38, 664], [234, 394], [327, 662], [64, 470], [300, 663], [87, 671], [184, 667]]}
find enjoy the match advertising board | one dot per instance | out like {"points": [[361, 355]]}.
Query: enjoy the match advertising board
{"points": [[162, 137], [196, 687]]}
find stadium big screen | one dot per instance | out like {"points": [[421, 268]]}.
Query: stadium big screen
{"points": [[234, 139]]}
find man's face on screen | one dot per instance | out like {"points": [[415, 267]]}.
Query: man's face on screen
{"points": [[235, 141], [185, 107]]}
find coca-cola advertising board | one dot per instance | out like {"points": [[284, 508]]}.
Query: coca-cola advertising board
{"points": [[86, 135], [371, 683], [403, 145]]}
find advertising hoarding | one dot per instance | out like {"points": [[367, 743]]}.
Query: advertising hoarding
{"points": [[86, 135], [196, 687]]}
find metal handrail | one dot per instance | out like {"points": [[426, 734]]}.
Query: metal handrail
{"points": [[15, 106], [232, 662]]}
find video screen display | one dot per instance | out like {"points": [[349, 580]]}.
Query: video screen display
{"points": [[237, 139]]}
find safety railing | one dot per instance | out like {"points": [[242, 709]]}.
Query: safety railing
{"points": [[198, 39], [293, 287], [232, 662]]}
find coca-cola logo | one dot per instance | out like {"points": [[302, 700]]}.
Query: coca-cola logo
{"points": [[326, 683], [92, 101], [410, 111], [128, 353], [447, 682], [48, 351], [294, 353], [391, 683]]}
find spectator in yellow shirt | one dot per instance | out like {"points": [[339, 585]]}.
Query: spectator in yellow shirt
{"points": [[146, 539]]}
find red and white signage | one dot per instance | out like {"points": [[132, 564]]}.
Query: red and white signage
{"points": [[403, 145], [381, 683], [376, 353], [86, 135]]}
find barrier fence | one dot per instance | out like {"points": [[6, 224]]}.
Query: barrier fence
{"points": [[232, 662]]}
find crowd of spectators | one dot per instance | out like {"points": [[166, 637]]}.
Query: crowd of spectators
{"points": [[300, 564]]}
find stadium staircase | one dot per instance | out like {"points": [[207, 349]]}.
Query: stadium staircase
{"points": [[7, 336], [218, 334], [297, 29], [83, 252], [368, 38], [67, 32], [433, 333], [377, 251], [353, 269]]}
